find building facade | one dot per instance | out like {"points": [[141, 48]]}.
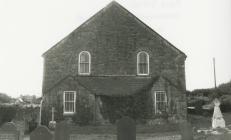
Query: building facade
{"points": [[111, 66]]}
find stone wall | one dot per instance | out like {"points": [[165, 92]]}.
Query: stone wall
{"points": [[84, 102], [113, 38], [176, 101], [114, 137]]}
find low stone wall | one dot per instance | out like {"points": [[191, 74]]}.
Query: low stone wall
{"points": [[92, 137], [114, 137], [158, 137], [8, 131], [125, 130]]}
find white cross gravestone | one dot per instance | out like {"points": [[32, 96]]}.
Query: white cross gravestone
{"points": [[217, 120], [52, 114], [52, 123]]}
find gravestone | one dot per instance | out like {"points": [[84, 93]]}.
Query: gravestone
{"points": [[8, 131], [41, 133], [62, 131], [226, 136], [52, 123], [126, 129], [21, 127], [217, 120], [186, 131]]}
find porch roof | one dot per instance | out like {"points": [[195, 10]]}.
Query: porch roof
{"points": [[116, 86]]}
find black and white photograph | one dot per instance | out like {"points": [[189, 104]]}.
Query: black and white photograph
{"points": [[115, 70]]}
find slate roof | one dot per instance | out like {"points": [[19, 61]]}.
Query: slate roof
{"points": [[114, 3], [116, 85]]}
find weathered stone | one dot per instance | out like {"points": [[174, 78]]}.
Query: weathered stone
{"points": [[62, 131], [126, 129], [8, 126], [186, 131], [113, 37], [217, 120], [219, 137], [41, 133], [8, 131]]}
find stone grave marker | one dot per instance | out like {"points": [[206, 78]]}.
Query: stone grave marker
{"points": [[219, 137], [21, 127], [62, 131], [186, 131], [217, 120], [126, 129], [52, 123], [8, 131], [41, 133]]}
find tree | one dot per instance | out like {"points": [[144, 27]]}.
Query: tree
{"points": [[5, 98]]}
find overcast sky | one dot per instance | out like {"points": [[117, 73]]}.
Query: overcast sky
{"points": [[200, 28]]}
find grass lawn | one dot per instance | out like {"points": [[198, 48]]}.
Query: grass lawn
{"points": [[206, 122], [141, 129], [197, 122]]}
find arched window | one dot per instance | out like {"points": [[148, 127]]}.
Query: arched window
{"points": [[142, 63], [84, 63]]}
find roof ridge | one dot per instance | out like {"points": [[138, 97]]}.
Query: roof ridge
{"points": [[152, 30], [94, 76], [81, 25], [128, 12], [75, 77], [76, 29], [57, 83]]}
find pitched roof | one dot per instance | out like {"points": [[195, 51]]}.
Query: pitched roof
{"points": [[113, 3], [116, 85], [110, 85]]}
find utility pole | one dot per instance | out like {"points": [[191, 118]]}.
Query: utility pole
{"points": [[214, 71]]}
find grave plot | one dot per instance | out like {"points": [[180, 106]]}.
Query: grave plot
{"points": [[41, 133], [8, 131], [126, 129]]}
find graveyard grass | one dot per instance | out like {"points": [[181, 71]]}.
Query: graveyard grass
{"points": [[199, 121]]}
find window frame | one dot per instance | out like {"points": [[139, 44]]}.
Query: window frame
{"points": [[166, 99], [89, 63], [64, 111], [138, 62]]}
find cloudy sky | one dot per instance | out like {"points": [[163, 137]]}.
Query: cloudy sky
{"points": [[200, 28]]}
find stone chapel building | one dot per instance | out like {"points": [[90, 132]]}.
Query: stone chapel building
{"points": [[111, 66]]}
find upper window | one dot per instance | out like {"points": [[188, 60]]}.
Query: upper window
{"points": [[69, 98], [142, 63], [160, 101], [84, 63]]}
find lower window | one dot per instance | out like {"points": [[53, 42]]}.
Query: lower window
{"points": [[69, 98], [160, 102]]}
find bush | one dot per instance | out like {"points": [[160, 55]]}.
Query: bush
{"points": [[135, 106], [5, 98], [197, 103], [7, 113], [225, 103], [84, 117], [32, 125]]}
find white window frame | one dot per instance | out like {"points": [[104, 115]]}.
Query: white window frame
{"points": [[66, 112], [166, 100], [89, 63], [138, 59]]}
